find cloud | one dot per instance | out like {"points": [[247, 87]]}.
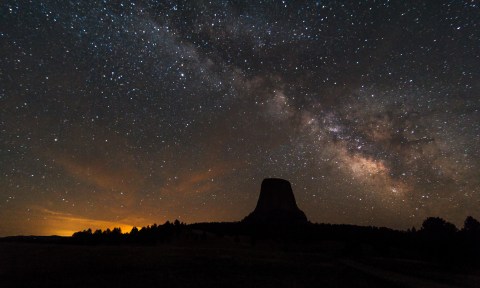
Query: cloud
{"points": [[102, 164], [102, 172], [194, 183]]}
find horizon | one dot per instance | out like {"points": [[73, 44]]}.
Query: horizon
{"points": [[125, 228], [128, 114]]}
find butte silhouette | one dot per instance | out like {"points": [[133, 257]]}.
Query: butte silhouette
{"points": [[276, 205]]}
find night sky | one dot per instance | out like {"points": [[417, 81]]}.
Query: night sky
{"points": [[129, 113]]}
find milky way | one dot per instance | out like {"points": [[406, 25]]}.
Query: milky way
{"points": [[128, 113]]}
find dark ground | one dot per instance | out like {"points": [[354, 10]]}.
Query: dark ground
{"points": [[221, 264]]}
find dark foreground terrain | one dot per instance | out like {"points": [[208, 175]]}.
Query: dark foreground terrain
{"points": [[218, 263]]}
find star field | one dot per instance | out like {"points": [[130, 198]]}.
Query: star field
{"points": [[126, 113]]}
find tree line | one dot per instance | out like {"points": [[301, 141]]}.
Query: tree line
{"points": [[148, 234], [436, 239], [432, 227]]}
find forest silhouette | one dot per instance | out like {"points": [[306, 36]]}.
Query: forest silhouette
{"points": [[436, 239]]}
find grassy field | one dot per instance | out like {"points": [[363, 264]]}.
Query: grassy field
{"points": [[53, 265]]}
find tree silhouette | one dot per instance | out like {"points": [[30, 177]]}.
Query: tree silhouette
{"points": [[117, 231], [437, 226], [471, 225], [134, 231]]}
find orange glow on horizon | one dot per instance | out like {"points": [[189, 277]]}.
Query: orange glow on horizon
{"points": [[62, 224]]}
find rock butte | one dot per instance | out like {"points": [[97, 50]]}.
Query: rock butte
{"points": [[276, 205]]}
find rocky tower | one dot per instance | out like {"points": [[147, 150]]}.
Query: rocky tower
{"points": [[276, 205]]}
